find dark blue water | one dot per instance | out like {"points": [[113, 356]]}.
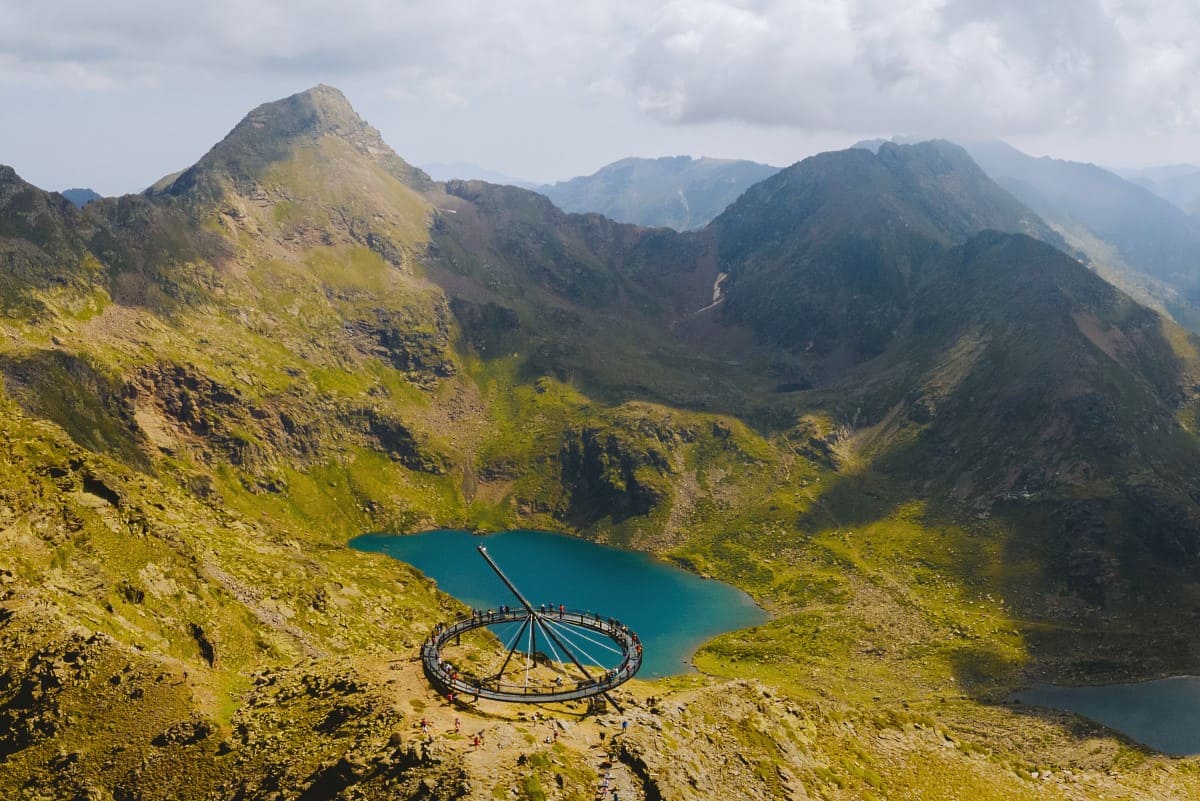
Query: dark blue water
{"points": [[1163, 714], [671, 610]]}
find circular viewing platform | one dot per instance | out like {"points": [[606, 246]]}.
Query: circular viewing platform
{"points": [[556, 627]]}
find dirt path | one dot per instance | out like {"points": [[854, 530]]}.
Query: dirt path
{"points": [[507, 732]]}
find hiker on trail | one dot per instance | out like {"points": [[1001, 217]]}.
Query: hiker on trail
{"points": [[457, 725], [624, 726], [475, 741], [562, 610]]}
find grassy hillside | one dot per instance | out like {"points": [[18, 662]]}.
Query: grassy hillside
{"points": [[824, 257], [977, 475]]}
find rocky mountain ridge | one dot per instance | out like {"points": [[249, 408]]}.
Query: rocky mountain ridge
{"points": [[1137, 240]]}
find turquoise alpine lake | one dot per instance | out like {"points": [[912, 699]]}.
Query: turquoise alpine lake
{"points": [[672, 611], [1163, 714]]}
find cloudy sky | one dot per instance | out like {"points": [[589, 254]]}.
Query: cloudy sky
{"points": [[115, 94]]}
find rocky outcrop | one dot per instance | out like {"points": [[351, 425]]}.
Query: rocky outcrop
{"points": [[610, 472], [391, 436], [418, 347]]}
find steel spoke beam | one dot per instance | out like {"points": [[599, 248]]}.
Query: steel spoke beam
{"points": [[516, 641]]}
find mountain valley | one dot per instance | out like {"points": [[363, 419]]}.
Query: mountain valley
{"points": [[878, 391]]}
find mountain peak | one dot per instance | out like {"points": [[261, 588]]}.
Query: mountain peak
{"points": [[321, 110], [271, 132], [827, 254]]}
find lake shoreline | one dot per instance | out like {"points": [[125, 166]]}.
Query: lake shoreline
{"points": [[678, 562], [1161, 714], [675, 611]]}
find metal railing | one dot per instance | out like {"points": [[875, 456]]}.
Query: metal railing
{"points": [[447, 678]]}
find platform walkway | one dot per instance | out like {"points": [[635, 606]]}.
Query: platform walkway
{"points": [[448, 678]]}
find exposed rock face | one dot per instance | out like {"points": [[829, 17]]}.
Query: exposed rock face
{"points": [[208, 649], [392, 437], [269, 133], [613, 472], [408, 344], [90, 403]]}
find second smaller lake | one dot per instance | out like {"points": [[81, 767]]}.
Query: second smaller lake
{"points": [[672, 611], [1162, 714]]}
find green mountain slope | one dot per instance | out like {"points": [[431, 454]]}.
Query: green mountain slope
{"points": [[678, 192], [38, 231], [1134, 238], [977, 475], [822, 258], [1100, 422]]}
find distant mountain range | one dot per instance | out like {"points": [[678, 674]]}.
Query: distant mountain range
{"points": [[1178, 183], [465, 171], [677, 192], [1133, 237], [81, 197]]}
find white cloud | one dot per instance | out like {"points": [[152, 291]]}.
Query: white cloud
{"points": [[608, 87], [954, 67], [70, 74], [950, 66], [451, 47]]}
